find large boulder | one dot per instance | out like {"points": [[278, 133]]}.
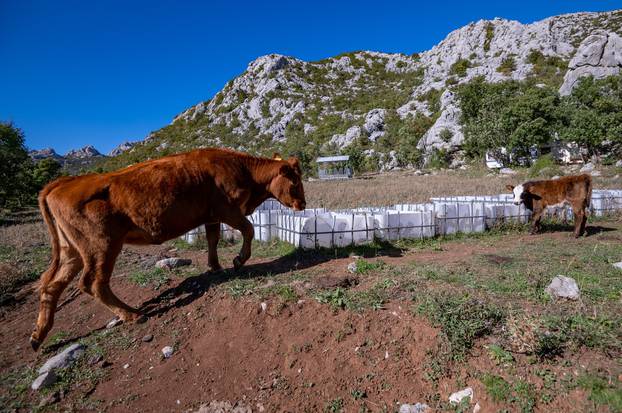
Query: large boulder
{"points": [[599, 55], [446, 133]]}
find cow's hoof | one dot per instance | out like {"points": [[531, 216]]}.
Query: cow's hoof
{"points": [[237, 263], [34, 343], [215, 268]]}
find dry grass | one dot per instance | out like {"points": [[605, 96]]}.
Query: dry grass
{"points": [[406, 187], [24, 254]]}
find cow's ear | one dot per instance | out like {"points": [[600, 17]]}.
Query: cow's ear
{"points": [[510, 188], [277, 156]]}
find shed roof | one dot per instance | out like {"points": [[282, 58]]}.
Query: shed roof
{"points": [[332, 158]]}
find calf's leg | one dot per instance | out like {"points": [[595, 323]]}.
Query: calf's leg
{"points": [[212, 232], [52, 286], [535, 220]]}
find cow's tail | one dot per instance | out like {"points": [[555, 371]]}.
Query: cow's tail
{"points": [[52, 230]]}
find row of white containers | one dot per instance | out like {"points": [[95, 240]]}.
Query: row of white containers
{"points": [[315, 228]]}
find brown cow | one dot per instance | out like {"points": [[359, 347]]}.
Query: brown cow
{"points": [[90, 217], [575, 191]]}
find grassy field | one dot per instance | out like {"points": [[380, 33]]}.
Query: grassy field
{"points": [[406, 187], [495, 329]]}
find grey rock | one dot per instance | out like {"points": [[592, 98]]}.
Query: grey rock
{"points": [[374, 121], [618, 163], [147, 338], [44, 380], [507, 171], [169, 263], [63, 359], [599, 55], [618, 265], [563, 287], [167, 351], [588, 167], [414, 408], [114, 322], [596, 173], [352, 267], [456, 398]]}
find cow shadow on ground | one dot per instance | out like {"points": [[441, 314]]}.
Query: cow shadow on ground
{"points": [[590, 230], [194, 287]]}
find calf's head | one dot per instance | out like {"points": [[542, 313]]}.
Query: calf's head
{"points": [[519, 193], [286, 186]]}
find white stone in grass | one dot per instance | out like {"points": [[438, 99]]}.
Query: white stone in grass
{"points": [[44, 380], [169, 263], [618, 265], [63, 359], [167, 352], [352, 267], [563, 287], [414, 408], [113, 323], [457, 397]]}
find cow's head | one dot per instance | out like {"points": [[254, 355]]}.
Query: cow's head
{"points": [[286, 186], [519, 193]]}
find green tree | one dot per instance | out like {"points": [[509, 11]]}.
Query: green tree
{"points": [[593, 114], [15, 164], [45, 171]]}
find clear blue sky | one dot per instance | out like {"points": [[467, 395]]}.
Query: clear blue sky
{"points": [[101, 72]]}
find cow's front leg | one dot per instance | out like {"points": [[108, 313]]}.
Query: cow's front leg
{"points": [[246, 228], [535, 220], [212, 233]]}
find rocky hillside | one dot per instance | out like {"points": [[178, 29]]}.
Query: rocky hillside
{"points": [[387, 109]]}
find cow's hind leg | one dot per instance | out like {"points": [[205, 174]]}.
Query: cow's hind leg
{"points": [[52, 286], [580, 218], [246, 228], [96, 281], [212, 232]]}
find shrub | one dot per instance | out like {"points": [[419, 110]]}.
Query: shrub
{"points": [[507, 66], [459, 67], [490, 33]]}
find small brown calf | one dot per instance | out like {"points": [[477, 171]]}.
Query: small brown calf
{"points": [[575, 191]]}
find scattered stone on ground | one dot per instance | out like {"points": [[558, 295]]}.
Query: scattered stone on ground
{"points": [[477, 408], [414, 408], [169, 263], [457, 397], [114, 322], [44, 380], [595, 173], [352, 267], [224, 407], [563, 287], [167, 351], [147, 338], [619, 163], [126, 366], [264, 306], [588, 167], [63, 359], [507, 171], [556, 177], [618, 265]]}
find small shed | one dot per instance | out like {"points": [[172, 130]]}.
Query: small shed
{"points": [[334, 167]]}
